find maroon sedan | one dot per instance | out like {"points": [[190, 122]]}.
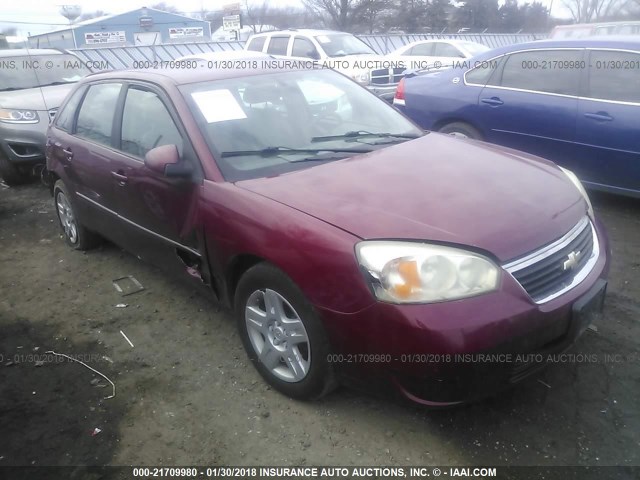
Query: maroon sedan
{"points": [[350, 244]]}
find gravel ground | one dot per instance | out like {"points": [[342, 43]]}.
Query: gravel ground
{"points": [[187, 395]]}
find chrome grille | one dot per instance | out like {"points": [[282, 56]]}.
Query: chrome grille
{"points": [[386, 76], [559, 266]]}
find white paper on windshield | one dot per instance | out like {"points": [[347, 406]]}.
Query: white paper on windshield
{"points": [[218, 105], [323, 39]]}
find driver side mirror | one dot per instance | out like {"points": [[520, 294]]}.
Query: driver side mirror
{"points": [[313, 54], [165, 160]]}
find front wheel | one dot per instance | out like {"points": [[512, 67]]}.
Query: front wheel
{"points": [[282, 334], [461, 130]]}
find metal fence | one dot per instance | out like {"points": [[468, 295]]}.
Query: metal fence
{"points": [[124, 57], [384, 44]]}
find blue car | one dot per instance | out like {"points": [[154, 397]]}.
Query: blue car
{"points": [[576, 102]]}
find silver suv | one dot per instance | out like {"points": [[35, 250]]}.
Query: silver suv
{"points": [[33, 84]]}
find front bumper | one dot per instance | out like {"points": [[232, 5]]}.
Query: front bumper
{"points": [[452, 352], [24, 144], [386, 92]]}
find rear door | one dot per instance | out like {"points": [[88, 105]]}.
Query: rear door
{"points": [[609, 120], [86, 150], [531, 102]]}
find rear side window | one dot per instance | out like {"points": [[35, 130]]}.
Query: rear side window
{"points": [[147, 124], [278, 45], [64, 118], [482, 73], [614, 76], [256, 44], [422, 50], [95, 119], [446, 50], [551, 71]]}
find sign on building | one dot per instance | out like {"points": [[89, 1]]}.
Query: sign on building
{"points": [[182, 32], [95, 38], [231, 23]]}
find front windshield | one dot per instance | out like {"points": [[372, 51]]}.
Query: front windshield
{"points": [[31, 71], [320, 112], [343, 44], [474, 48]]}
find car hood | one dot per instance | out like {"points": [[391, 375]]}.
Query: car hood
{"points": [[437, 188], [43, 98]]}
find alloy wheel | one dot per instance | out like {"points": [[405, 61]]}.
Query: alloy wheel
{"points": [[278, 335], [67, 219]]}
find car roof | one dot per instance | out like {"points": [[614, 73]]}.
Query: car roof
{"points": [[306, 31], [23, 52], [622, 42]]}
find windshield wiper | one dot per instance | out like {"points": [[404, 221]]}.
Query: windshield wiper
{"points": [[273, 151], [363, 133], [10, 89]]}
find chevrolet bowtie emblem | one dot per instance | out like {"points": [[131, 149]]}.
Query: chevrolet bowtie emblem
{"points": [[571, 261]]}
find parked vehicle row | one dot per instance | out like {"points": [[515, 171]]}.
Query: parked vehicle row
{"points": [[351, 244], [575, 102]]}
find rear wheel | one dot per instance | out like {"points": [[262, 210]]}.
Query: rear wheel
{"points": [[282, 334], [75, 234], [461, 130], [12, 174]]}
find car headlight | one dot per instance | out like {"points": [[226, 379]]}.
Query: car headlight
{"points": [[408, 272], [580, 187], [362, 78], [18, 116]]}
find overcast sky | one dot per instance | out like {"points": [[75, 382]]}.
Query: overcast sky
{"points": [[38, 16]]}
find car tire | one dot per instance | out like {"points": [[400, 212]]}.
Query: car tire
{"points": [[75, 234], [11, 174], [461, 130], [296, 366]]}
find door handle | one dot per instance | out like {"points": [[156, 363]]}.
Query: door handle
{"points": [[68, 153], [493, 101], [599, 116], [120, 177]]}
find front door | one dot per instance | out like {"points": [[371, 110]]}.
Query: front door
{"points": [[159, 212]]}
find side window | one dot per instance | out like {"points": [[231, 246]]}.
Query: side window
{"points": [[95, 119], [446, 50], [614, 76], [422, 50], [482, 73], [146, 124], [551, 71], [278, 45], [64, 118], [256, 44], [302, 47]]}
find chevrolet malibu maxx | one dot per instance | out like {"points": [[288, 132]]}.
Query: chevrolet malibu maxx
{"points": [[351, 245]]}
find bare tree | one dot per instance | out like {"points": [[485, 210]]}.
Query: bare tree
{"points": [[340, 14], [585, 11], [256, 15]]}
